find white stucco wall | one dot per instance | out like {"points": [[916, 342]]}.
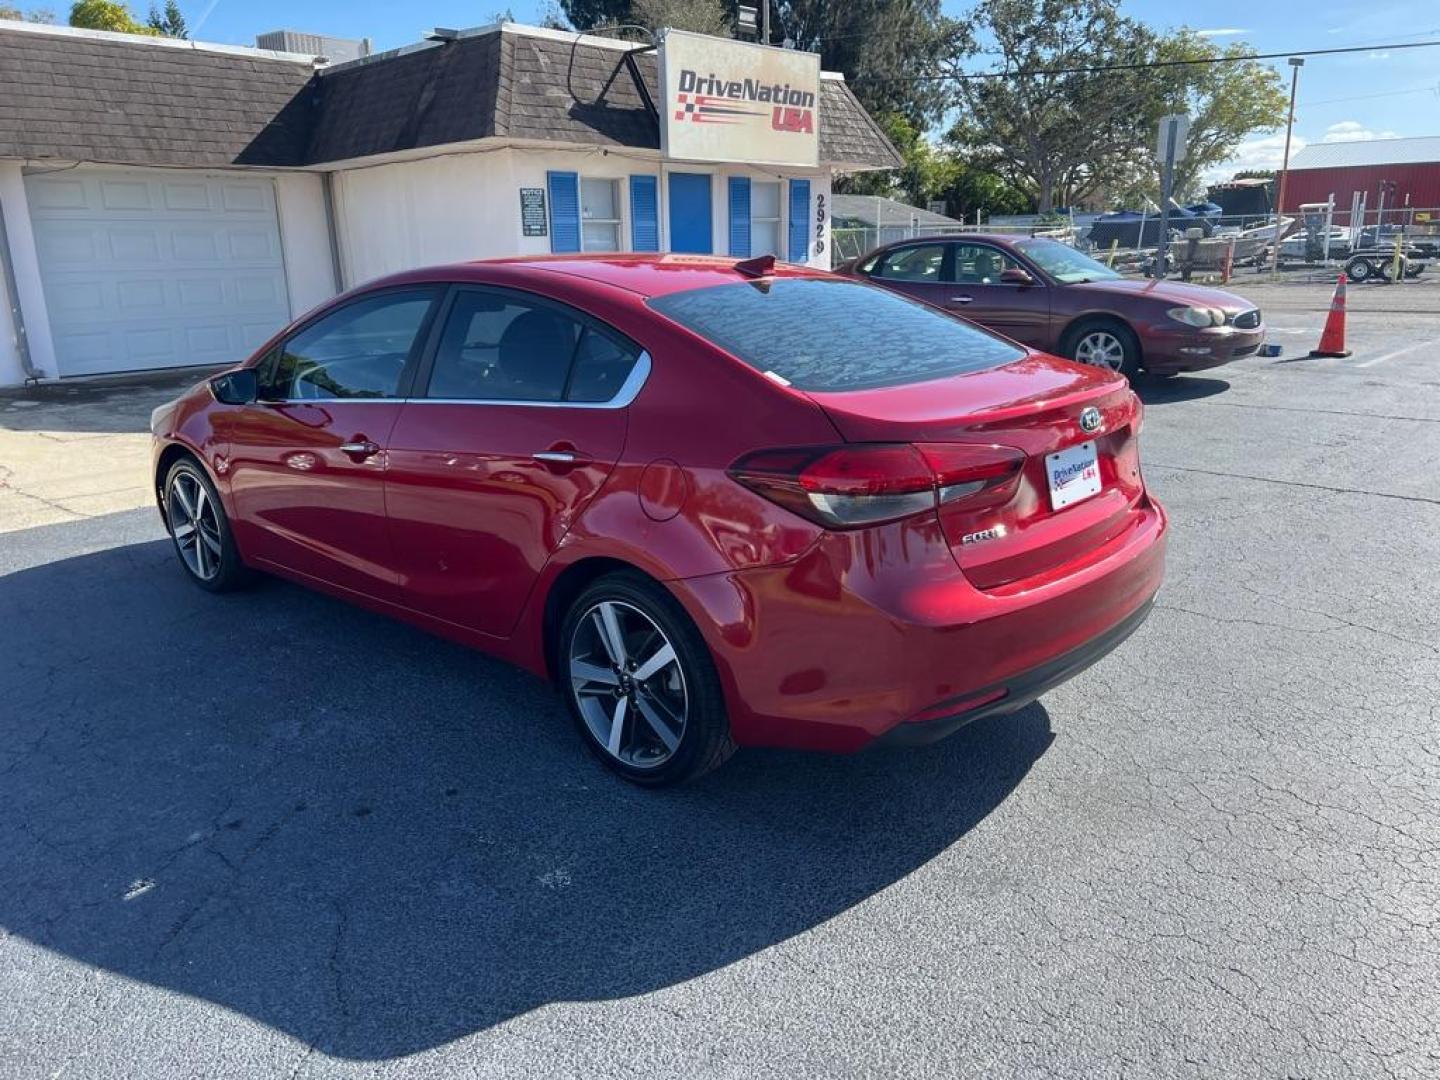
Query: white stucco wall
{"points": [[418, 213], [305, 239], [27, 282], [467, 205]]}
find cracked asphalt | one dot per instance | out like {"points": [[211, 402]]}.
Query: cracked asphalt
{"points": [[270, 835]]}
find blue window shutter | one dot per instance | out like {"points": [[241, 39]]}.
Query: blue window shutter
{"points": [[644, 213], [740, 217], [564, 211], [799, 220]]}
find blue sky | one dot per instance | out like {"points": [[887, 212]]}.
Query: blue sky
{"points": [[1374, 94]]}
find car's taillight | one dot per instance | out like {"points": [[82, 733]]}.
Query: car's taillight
{"points": [[847, 487]]}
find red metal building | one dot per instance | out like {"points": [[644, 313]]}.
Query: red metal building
{"points": [[1341, 168]]}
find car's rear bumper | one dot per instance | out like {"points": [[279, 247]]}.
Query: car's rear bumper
{"points": [[846, 646], [1167, 351], [1015, 693]]}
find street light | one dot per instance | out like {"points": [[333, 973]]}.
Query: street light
{"points": [[1296, 63]]}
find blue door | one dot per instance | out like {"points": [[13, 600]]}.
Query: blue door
{"points": [[691, 224]]}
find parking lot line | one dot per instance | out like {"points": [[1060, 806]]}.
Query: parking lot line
{"points": [[1396, 354]]}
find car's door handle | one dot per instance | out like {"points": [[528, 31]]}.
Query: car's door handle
{"points": [[961, 299], [360, 447], [560, 457]]}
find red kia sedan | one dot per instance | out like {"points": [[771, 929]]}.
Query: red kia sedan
{"points": [[718, 504], [1051, 297]]}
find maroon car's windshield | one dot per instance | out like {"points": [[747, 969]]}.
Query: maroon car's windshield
{"points": [[834, 335], [1063, 263]]}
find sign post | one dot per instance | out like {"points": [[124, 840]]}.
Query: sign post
{"points": [[1169, 149]]}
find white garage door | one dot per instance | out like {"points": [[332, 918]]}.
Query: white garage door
{"points": [[154, 269]]}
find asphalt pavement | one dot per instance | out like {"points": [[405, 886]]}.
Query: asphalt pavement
{"points": [[268, 834]]}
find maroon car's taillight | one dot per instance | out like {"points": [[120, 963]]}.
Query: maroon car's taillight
{"points": [[851, 486]]}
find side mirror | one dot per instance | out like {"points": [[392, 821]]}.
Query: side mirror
{"points": [[1016, 276], [236, 387]]}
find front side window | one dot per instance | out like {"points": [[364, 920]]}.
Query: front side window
{"points": [[921, 263], [359, 351], [500, 347], [830, 334], [765, 218], [599, 215], [980, 264]]}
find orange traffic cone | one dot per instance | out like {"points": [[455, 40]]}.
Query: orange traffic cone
{"points": [[1332, 338]]}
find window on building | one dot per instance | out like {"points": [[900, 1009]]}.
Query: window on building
{"points": [[599, 215], [765, 218]]}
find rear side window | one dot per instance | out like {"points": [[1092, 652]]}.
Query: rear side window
{"points": [[501, 347], [833, 335]]}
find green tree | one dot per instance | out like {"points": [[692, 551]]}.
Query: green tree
{"points": [[927, 171], [879, 46], [1226, 102], [1050, 130], [935, 172], [701, 16], [34, 15], [588, 14], [107, 15], [169, 22], [551, 17]]}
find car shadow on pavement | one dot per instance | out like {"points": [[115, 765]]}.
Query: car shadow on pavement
{"points": [[378, 842], [1177, 388]]}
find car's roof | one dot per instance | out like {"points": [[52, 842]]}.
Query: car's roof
{"points": [[644, 275], [964, 237]]}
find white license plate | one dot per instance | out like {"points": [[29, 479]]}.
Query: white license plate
{"points": [[1074, 475]]}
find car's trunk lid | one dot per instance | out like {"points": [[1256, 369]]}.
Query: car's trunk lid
{"points": [[1035, 405]]}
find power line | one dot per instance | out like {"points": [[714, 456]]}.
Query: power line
{"points": [[1431, 88], [1146, 65]]}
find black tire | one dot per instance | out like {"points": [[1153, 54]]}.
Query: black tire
{"points": [[1358, 270], [1131, 363], [705, 741], [226, 572]]}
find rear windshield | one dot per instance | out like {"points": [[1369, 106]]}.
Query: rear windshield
{"points": [[834, 335]]}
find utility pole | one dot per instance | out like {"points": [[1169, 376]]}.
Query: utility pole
{"points": [[765, 22], [1169, 148], [1296, 63]]}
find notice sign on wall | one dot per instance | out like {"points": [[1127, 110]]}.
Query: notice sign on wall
{"points": [[732, 101], [532, 211]]}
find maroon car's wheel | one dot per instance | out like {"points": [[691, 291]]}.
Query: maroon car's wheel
{"points": [[199, 529], [1105, 344], [640, 683]]}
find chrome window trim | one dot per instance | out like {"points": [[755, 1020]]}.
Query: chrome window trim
{"points": [[628, 392]]}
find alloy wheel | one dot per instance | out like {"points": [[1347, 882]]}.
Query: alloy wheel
{"points": [[195, 526], [1100, 348], [628, 684]]}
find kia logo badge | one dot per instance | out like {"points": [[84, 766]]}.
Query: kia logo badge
{"points": [[1090, 420]]}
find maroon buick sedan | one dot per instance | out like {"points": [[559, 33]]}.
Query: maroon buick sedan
{"points": [[1051, 297]]}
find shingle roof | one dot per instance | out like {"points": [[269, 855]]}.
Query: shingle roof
{"points": [[1339, 155], [102, 98], [105, 98]]}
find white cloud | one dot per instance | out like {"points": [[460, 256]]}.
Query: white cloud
{"points": [[1265, 152], [1223, 31], [1354, 131]]}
